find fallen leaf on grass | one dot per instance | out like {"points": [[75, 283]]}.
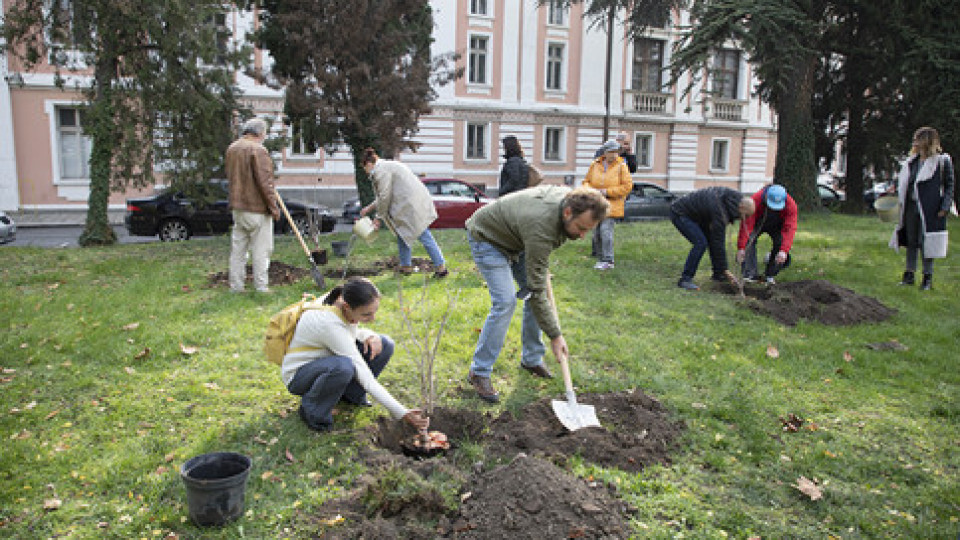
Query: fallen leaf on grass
{"points": [[52, 414], [266, 475], [211, 386], [129, 370], [170, 457], [131, 326], [772, 352], [336, 520], [809, 488], [52, 504], [791, 423], [289, 456], [188, 349], [847, 356], [142, 354]]}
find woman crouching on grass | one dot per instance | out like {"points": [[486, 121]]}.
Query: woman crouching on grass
{"points": [[330, 358]]}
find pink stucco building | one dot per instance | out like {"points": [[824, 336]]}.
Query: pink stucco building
{"points": [[536, 73]]}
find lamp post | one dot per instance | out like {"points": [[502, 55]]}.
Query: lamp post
{"points": [[606, 85]]}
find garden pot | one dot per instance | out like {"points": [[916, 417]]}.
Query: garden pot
{"points": [[340, 249], [888, 208], [216, 484]]}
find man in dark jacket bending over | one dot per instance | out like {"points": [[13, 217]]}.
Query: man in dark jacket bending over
{"points": [[702, 217]]}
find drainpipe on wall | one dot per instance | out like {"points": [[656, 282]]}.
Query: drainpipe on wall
{"points": [[9, 190], [606, 84]]}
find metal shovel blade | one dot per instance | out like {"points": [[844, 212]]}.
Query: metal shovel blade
{"points": [[574, 416]]}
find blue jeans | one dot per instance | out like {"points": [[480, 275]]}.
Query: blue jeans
{"points": [[323, 382], [406, 256], [692, 232], [603, 240], [500, 274]]}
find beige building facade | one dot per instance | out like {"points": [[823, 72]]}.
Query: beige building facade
{"points": [[533, 72]]}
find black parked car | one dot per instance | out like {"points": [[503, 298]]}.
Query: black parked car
{"points": [[647, 202], [174, 217]]}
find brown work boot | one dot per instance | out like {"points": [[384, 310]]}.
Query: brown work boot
{"points": [[538, 371], [484, 388], [405, 270]]}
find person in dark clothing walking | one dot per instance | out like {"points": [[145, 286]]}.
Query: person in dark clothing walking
{"points": [[925, 189], [776, 216], [515, 174], [702, 217]]}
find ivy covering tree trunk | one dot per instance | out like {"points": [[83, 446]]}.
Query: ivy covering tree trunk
{"points": [[158, 82]]}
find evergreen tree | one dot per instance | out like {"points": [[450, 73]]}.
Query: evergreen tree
{"points": [[159, 88], [784, 43], [355, 71]]}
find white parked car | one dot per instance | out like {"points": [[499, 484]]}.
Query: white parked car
{"points": [[8, 229]]}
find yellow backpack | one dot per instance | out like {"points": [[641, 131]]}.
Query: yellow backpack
{"points": [[282, 325]]}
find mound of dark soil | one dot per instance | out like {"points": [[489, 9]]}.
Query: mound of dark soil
{"points": [[814, 300], [637, 431], [530, 498], [279, 274]]}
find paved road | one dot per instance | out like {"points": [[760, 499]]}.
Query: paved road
{"points": [[53, 237], [64, 237]]}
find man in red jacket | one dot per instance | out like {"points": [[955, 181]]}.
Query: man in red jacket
{"points": [[776, 215]]}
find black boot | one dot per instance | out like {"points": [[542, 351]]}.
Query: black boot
{"points": [[927, 282], [908, 278]]}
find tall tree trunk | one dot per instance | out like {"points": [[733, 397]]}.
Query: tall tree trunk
{"points": [[853, 184], [796, 167], [97, 229]]}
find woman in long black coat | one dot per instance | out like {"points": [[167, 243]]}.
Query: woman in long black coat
{"points": [[925, 190]]}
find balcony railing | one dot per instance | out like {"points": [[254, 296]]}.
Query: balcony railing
{"points": [[725, 109], [637, 101]]}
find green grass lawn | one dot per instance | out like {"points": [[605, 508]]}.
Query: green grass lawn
{"points": [[100, 404]]}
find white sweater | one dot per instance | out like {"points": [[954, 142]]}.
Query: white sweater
{"points": [[327, 334]]}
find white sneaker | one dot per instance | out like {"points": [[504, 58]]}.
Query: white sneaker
{"points": [[770, 281], [603, 265]]}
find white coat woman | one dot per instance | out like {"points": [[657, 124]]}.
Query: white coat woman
{"points": [[405, 205]]}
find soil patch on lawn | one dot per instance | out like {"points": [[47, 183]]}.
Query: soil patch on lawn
{"points": [[335, 268], [815, 300], [279, 274], [517, 489]]}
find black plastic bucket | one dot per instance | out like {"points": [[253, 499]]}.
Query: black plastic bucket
{"points": [[215, 483]]}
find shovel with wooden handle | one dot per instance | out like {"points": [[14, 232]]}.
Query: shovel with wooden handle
{"points": [[315, 272], [571, 414]]}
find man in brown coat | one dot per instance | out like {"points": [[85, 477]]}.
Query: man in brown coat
{"points": [[252, 200]]}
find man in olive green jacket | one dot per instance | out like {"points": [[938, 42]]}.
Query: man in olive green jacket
{"points": [[254, 206], [534, 222]]}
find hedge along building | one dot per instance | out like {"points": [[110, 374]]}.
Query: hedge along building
{"points": [[534, 72]]}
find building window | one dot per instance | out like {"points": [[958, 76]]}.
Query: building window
{"points": [[725, 73], [720, 155], [648, 65], [644, 150], [476, 141], [557, 13], [477, 71], [300, 139], [218, 22], [73, 147], [555, 66], [478, 7], [553, 144]]}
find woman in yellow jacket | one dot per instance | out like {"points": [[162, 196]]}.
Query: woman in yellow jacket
{"points": [[608, 174]]}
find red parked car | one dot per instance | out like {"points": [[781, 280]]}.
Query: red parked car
{"points": [[454, 199]]}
